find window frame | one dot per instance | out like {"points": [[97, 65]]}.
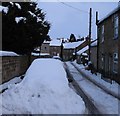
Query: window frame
{"points": [[102, 33], [115, 62], [116, 26]]}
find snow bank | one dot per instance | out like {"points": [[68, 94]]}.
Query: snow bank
{"points": [[8, 53], [44, 90], [114, 87], [10, 83]]}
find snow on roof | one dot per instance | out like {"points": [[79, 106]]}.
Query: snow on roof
{"points": [[47, 42], [8, 53], [111, 13], [55, 42], [82, 50], [72, 45], [5, 9], [17, 19], [94, 44], [45, 89], [18, 5]]}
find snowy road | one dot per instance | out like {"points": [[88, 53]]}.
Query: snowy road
{"points": [[97, 101]]}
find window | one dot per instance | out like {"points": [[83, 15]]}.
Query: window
{"points": [[102, 59], [115, 26], [102, 33], [115, 62]]}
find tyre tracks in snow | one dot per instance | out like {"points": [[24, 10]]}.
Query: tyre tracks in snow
{"points": [[75, 76]]}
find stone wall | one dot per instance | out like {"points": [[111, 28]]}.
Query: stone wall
{"points": [[11, 66]]}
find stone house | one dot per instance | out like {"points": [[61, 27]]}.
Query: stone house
{"points": [[45, 48], [109, 45], [55, 47], [70, 49]]}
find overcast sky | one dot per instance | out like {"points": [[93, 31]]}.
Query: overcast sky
{"points": [[66, 20]]}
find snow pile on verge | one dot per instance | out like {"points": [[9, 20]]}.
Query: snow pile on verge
{"points": [[10, 83], [44, 90], [114, 87], [8, 53]]}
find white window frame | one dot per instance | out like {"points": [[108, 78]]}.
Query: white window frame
{"points": [[115, 62], [102, 33], [116, 26]]}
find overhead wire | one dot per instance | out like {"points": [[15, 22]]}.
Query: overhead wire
{"points": [[73, 7]]}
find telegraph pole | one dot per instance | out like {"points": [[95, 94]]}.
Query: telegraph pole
{"points": [[90, 21], [97, 40]]}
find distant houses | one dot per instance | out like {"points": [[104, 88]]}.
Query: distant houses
{"points": [[68, 50], [104, 52], [109, 45]]}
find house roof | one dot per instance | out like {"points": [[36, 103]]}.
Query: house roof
{"points": [[46, 42], [111, 13], [72, 45], [55, 42], [83, 50]]}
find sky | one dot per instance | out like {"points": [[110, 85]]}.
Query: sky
{"points": [[73, 17]]}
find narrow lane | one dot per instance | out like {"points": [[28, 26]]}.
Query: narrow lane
{"points": [[85, 88], [92, 109]]}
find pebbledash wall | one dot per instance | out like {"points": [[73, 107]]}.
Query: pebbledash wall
{"points": [[12, 66]]}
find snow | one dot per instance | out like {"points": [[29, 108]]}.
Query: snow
{"points": [[8, 53], [18, 5], [55, 42], [94, 44], [72, 45], [32, 14], [44, 90], [38, 19], [10, 83], [5, 9], [83, 50], [17, 19], [84, 54], [46, 42], [106, 103], [11, 3], [114, 87], [41, 54], [56, 57]]}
